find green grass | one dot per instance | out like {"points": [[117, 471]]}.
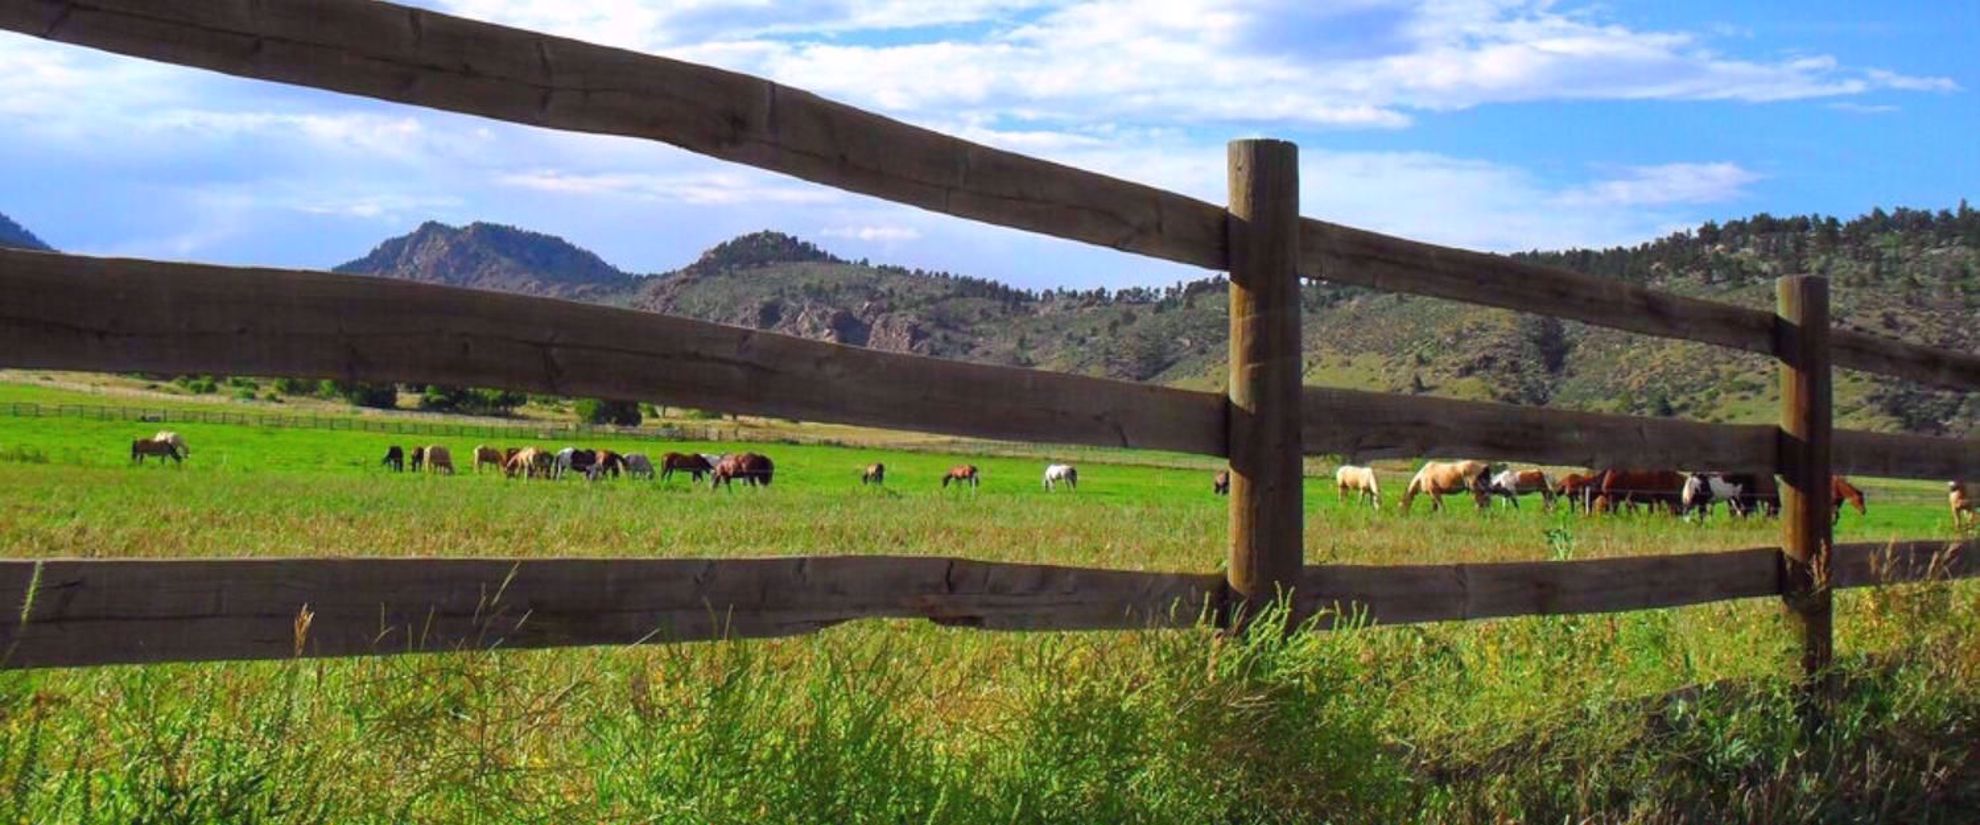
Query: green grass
{"points": [[1668, 715]]}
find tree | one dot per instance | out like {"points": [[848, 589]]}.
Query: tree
{"points": [[359, 393], [599, 411]]}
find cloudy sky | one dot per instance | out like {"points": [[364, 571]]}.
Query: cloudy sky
{"points": [[1491, 124]]}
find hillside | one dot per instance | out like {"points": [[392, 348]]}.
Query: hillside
{"points": [[16, 236], [1907, 273]]}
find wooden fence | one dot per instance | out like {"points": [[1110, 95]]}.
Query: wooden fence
{"points": [[73, 312], [361, 424]]}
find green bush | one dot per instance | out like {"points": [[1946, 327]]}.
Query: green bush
{"points": [[599, 411], [380, 396]]}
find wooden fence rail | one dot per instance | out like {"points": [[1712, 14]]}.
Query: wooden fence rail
{"points": [[67, 613]]}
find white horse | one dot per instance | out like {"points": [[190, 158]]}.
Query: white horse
{"points": [[638, 465], [1056, 473], [1701, 489], [1359, 482]]}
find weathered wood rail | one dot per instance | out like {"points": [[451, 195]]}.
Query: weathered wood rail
{"points": [[72, 312]]}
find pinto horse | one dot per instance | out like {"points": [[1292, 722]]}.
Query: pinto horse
{"points": [[962, 475], [1441, 478], [418, 458], [1701, 490], [753, 469], [1840, 490], [603, 463], [1359, 482], [873, 474], [177, 441], [1221, 483], [1061, 473], [439, 459], [694, 465], [1515, 483], [484, 454], [140, 448]]}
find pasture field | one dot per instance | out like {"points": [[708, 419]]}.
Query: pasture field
{"points": [[1668, 715]]}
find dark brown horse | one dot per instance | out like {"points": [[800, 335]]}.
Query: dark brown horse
{"points": [[874, 474], [695, 466], [1659, 489], [395, 458], [1221, 483], [605, 462], [146, 447], [962, 475], [753, 469], [1840, 490], [418, 458]]}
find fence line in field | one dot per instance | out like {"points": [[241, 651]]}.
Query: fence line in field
{"points": [[72, 312], [353, 423]]}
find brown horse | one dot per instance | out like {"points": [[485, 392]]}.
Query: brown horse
{"points": [[143, 447], [1512, 484], [753, 469], [1441, 478], [439, 459], [1578, 489], [1221, 483], [1840, 490], [1963, 509], [1656, 488], [694, 465], [873, 474], [962, 475], [395, 458], [484, 454], [418, 458], [605, 462]]}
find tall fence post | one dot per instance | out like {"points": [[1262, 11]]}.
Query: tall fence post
{"points": [[1266, 496], [1801, 342]]}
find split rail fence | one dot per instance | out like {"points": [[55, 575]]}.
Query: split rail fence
{"points": [[84, 313]]}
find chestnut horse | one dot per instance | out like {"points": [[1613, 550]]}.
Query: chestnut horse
{"points": [[1963, 510], [753, 469], [962, 475], [1840, 490], [1441, 478], [1656, 488], [694, 465], [1578, 489]]}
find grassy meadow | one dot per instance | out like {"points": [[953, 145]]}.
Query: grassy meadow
{"points": [[1657, 716]]}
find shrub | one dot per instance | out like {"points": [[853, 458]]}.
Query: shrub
{"points": [[599, 411]]}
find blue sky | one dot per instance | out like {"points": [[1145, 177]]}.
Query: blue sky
{"points": [[1490, 124]]}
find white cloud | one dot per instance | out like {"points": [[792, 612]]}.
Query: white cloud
{"points": [[1671, 183], [700, 188], [883, 234]]}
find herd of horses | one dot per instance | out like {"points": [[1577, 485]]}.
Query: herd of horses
{"points": [[1611, 490]]}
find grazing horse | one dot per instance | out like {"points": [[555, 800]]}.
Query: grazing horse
{"points": [[1578, 489], [484, 454], [1441, 478], [528, 462], [418, 458], [1701, 490], [1515, 483], [147, 447], [1061, 473], [753, 469], [177, 441], [572, 459], [694, 465], [1760, 493], [873, 474], [962, 475], [1840, 490], [1626, 487], [438, 459], [395, 458], [605, 462], [1359, 482], [1964, 512], [1221, 483], [638, 465]]}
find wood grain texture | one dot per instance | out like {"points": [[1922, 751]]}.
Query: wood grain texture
{"points": [[1902, 359], [1807, 497], [1872, 564], [128, 611], [1436, 593], [1267, 500], [1364, 425], [392, 52], [1893, 455], [79, 313]]}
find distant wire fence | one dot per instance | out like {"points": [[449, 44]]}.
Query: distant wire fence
{"points": [[349, 423]]}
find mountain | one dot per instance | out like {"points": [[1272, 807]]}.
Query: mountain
{"points": [[15, 236], [491, 256], [1907, 273]]}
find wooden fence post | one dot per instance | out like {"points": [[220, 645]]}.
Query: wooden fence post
{"points": [[1801, 342], [1266, 496]]}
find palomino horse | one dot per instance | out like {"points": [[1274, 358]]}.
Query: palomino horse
{"points": [[527, 463], [962, 475], [1221, 483], [873, 474], [395, 458], [753, 469], [1512, 484], [1056, 474], [694, 465], [1964, 512], [1840, 490], [484, 454], [148, 447], [1359, 482], [177, 441], [1441, 478], [638, 465], [438, 459]]}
